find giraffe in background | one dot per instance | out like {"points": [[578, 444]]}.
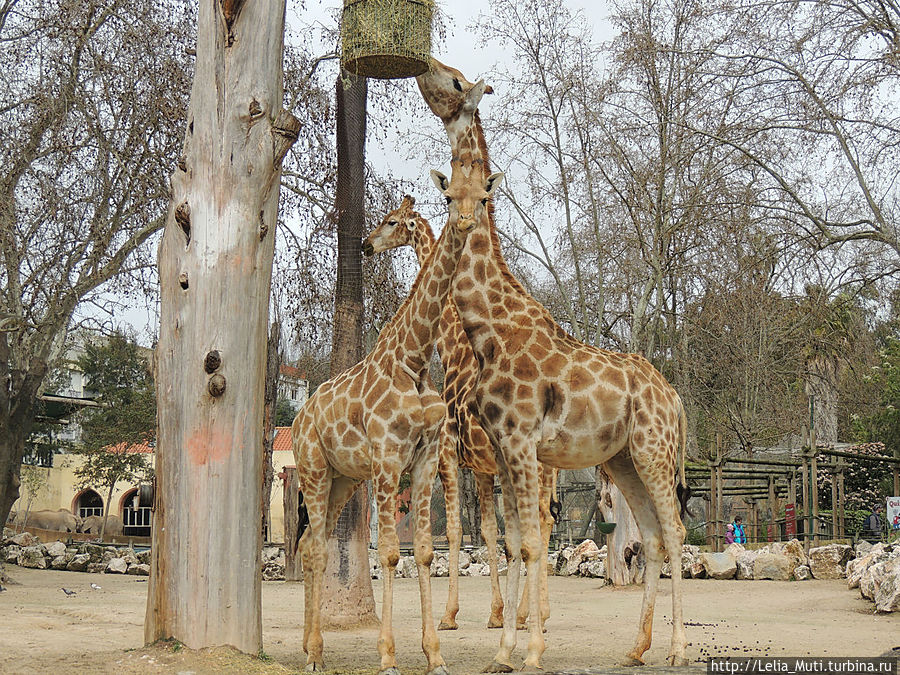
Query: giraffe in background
{"points": [[464, 441], [543, 396], [378, 420]]}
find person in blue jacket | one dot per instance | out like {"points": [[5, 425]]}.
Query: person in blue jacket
{"points": [[740, 536]]}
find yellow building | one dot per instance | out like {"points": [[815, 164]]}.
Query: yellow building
{"points": [[58, 491]]}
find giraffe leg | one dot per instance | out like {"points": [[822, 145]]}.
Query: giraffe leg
{"points": [[547, 491], [385, 485], [449, 472], [485, 485], [524, 477], [502, 662], [673, 533], [626, 477], [422, 479], [315, 558]]}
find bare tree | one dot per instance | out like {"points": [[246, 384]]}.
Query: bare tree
{"points": [[215, 265], [92, 95], [814, 110]]}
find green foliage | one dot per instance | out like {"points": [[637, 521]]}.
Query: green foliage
{"points": [[119, 375], [884, 424], [284, 413]]}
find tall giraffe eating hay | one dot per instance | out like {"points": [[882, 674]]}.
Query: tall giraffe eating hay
{"points": [[544, 397], [376, 421]]}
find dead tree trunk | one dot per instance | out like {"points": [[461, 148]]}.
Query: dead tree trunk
{"points": [[293, 570], [624, 554], [273, 366], [347, 597], [215, 268]]}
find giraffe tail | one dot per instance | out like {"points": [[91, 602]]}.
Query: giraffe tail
{"points": [[683, 490]]}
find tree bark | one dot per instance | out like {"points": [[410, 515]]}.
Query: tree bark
{"points": [[273, 366], [215, 267], [347, 596], [471, 510], [822, 377], [624, 552], [293, 570]]}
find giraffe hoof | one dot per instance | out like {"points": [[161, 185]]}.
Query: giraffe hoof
{"points": [[314, 667], [674, 660], [447, 625], [389, 671], [495, 622], [496, 667], [440, 670], [629, 661]]}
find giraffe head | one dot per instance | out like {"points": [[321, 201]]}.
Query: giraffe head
{"points": [[468, 194], [396, 229], [448, 93]]}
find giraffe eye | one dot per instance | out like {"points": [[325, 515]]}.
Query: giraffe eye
{"points": [[449, 199], [484, 201], [456, 84], [392, 223]]}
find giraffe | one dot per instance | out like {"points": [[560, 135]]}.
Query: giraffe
{"points": [[463, 440], [376, 421], [543, 396]]}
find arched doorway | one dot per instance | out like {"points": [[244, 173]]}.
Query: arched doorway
{"points": [[88, 503], [135, 521]]}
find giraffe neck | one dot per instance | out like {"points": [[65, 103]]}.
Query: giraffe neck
{"points": [[483, 281], [412, 332], [423, 241]]}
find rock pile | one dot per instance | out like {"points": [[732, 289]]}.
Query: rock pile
{"points": [[26, 550], [876, 573]]}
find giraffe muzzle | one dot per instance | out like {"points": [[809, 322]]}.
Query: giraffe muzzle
{"points": [[367, 248], [466, 225]]}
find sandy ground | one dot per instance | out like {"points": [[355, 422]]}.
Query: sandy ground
{"points": [[42, 630]]}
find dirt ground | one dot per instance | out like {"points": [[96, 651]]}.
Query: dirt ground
{"points": [[42, 630]]}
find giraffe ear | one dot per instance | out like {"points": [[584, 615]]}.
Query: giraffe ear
{"points": [[440, 180], [473, 97], [493, 182], [408, 201]]}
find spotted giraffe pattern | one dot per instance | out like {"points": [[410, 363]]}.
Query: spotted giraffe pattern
{"points": [[464, 441], [543, 396], [377, 420]]}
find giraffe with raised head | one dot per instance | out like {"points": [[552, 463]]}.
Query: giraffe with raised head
{"points": [[377, 420], [463, 440], [543, 396]]}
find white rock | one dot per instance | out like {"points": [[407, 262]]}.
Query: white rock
{"points": [[585, 551], [719, 565], [33, 556], [744, 564], [464, 560], [887, 595], [117, 566], [829, 562], [595, 569], [57, 548], [773, 566], [802, 573]]}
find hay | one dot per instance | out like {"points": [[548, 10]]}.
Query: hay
{"points": [[386, 39]]}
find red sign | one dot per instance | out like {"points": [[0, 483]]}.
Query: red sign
{"points": [[790, 520], [770, 531]]}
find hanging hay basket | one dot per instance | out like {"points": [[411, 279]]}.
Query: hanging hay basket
{"points": [[386, 39]]}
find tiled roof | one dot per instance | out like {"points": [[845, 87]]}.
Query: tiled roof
{"points": [[142, 448], [291, 371], [282, 439]]}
